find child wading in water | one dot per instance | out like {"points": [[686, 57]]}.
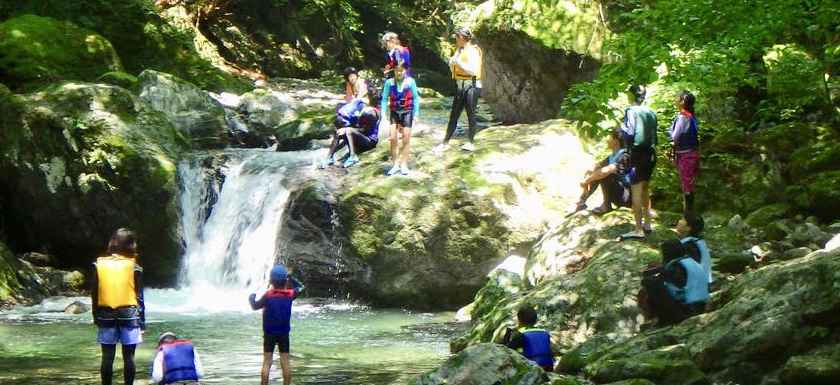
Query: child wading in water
{"points": [[686, 154], [277, 312], [401, 98]]}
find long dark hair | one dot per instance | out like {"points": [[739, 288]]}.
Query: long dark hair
{"points": [[123, 242]]}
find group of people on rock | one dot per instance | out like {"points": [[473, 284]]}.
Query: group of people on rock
{"points": [[358, 118], [119, 313]]}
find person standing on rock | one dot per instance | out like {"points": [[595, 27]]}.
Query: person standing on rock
{"points": [[533, 343], [639, 131], [466, 67], [401, 99], [686, 144], [118, 308], [396, 54]]}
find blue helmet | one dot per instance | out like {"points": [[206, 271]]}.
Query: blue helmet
{"points": [[278, 273]]}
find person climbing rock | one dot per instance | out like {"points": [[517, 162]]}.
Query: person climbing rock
{"points": [[639, 134], [466, 68], [396, 54], [176, 361], [690, 230], [686, 144], [675, 290], [533, 343], [612, 175], [402, 99], [277, 312], [355, 87], [118, 308]]}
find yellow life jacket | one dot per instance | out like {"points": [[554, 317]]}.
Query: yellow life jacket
{"points": [[115, 274], [464, 57]]}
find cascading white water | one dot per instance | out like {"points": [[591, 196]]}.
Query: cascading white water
{"points": [[231, 234]]}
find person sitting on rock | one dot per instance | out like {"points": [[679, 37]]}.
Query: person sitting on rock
{"points": [[675, 290], [176, 361], [533, 343], [355, 88], [690, 230], [611, 175], [357, 127]]}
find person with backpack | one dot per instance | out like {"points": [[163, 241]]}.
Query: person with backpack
{"points": [[639, 131], [685, 150], [690, 230], [401, 99], [396, 54], [675, 290], [532, 342], [612, 175], [176, 361], [466, 68]]}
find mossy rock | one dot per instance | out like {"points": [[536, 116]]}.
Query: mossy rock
{"points": [[767, 214], [634, 381], [485, 364], [811, 370], [9, 284], [36, 50], [120, 79], [818, 195]]}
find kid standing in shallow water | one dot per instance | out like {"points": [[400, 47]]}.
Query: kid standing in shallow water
{"points": [[118, 309], [277, 312], [686, 147], [401, 98]]}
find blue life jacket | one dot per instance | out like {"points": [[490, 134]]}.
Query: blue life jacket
{"points": [[696, 289], [688, 139], [349, 112], [623, 179], [179, 362], [705, 259], [277, 313], [537, 346]]}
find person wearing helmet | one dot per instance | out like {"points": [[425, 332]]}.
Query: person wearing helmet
{"points": [[176, 361], [276, 304], [396, 54]]}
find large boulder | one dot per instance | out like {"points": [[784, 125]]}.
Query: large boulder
{"points": [[81, 160], [189, 108], [431, 238], [485, 364], [771, 324], [9, 283], [37, 50]]}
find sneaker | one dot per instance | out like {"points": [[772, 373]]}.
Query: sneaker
{"points": [[327, 162], [351, 160], [440, 148], [601, 210], [404, 170], [633, 235], [468, 147], [394, 170]]}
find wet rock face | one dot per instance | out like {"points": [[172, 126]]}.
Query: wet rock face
{"points": [[81, 160], [485, 364], [77, 308], [525, 81]]}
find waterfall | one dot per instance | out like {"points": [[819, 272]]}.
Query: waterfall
{"points": [[231, 216]]}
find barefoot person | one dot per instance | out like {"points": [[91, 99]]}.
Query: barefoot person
{"points": [[465, 65], [401, 99], [118, 309]]}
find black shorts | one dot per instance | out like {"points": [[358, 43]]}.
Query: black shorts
{"points": [[402, 118], [269, 341], [362, 143], [643, 161], [615, 191]]}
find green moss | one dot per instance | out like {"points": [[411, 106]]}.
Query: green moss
{"points": [[39, 49], [121, 79], [9, 284]]}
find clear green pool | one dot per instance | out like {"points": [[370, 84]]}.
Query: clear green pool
{"points": [[331, 342]]}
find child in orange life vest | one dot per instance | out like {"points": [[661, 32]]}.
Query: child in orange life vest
{"points": [[117, 304], [277, 312], [176, 362]]}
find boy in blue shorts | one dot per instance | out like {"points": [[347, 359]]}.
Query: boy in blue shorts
{"points": [[277, 312]]}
